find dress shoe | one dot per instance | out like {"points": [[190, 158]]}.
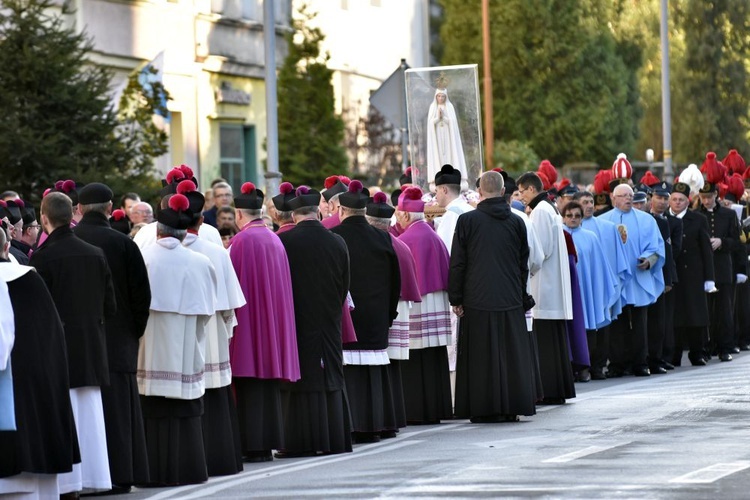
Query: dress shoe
{"points": [[365, 437], [295, 454], [494, 419], [552, 401], [642, 372], [614, 373], [744, 347], [388, 434], [725, 357], [584, 376], [598, 375], [117, 489], [657, 370], [258, 456], [735, 350], [698, 361], [667, 365]]}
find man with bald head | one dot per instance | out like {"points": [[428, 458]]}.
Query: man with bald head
{"points": [[487, 289], [645, 255]]}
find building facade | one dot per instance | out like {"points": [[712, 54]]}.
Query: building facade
{"points": [[211, 53]]}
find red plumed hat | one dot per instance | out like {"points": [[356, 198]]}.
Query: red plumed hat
{"points": [[735, 188], [546, 168], [118, 214], [330, 181], [734, 162], [649, 179], [601, 181], [546, 184], [711, 169], [564, 182]]}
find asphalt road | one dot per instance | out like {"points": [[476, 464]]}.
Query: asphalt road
{"points": [[682, 435]]}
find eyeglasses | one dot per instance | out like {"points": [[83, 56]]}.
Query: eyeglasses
{"points": [[573, 216]]}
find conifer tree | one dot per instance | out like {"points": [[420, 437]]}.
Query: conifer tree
{"points": [[57, 120], [311, 134]]}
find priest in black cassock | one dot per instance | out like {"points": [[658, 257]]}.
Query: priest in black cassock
{"points": [[126, 441], [79, 280], [44, 443], [375, 288], [315, 408], [487, 289]]}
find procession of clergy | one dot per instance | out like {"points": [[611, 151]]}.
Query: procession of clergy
{"points": [[167, 359]]}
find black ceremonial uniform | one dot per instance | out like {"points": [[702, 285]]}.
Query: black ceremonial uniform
{"points": [[723, 224], [695, 265], [656, 312], [675, 238]]}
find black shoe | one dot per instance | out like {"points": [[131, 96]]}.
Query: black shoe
{"points": [[552, 401], [667, 365], [117, 489], [657, 370], [643, 372], [598, 375], [258, 456], [388, 434], [584, 376], [614, 373], [725, 357], [294, 454], [735, 350], [494, 419], [365, 437], [698, 361], [744, 347]]}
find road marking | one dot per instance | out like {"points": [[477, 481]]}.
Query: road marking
{"points": [[569, 457], [712, 473], [218, 484]]}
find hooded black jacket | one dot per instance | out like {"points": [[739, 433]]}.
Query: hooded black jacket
{"points": [[489, 258]]}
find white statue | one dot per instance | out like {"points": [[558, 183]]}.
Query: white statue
{"points": [[443, 138]]}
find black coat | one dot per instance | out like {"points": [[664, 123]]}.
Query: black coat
{"points": [[132, 290], [21, 257], [45, 439], [675, 239], [79, 280], [375, 282], [669, 271], [489, 258], [695, 265], [723, 224], [319, 265]]}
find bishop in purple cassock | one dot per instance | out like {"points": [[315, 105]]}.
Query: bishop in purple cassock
{"points": [[263, 351], [427, 389]]}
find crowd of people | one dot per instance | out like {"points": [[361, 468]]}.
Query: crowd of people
{"points": [[238, 328]]}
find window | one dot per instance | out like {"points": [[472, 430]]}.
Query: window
{"points": [[237, 152]]}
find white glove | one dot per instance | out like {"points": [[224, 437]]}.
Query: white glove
{"points": [[741, 278], [709, 286]]}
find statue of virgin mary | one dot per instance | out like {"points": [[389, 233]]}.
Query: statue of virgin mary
{"points": [[443, 139]]}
